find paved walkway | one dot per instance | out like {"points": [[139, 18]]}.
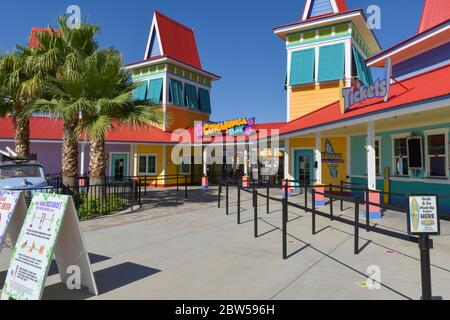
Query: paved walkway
{"points": [[192, 250]]}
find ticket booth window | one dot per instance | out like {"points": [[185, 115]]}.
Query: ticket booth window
{"points": [[401, 157], [437, 155]]}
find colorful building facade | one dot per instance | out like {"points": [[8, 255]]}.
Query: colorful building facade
{"points": [[386, 134]]}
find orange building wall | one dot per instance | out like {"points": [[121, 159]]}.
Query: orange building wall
{"points": [[183, 118], [307, 99]]}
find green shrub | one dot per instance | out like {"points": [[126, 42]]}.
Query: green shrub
{"points": [[91, 207]]}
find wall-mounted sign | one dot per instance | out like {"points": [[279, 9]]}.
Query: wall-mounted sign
{"points": [[238, 127], [12, 213], [50, 229], [355, 94], [423, 217], [332, 159]]}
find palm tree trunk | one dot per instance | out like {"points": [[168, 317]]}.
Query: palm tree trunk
{"points": [[70, 153], [22, 136], [97, 166]]}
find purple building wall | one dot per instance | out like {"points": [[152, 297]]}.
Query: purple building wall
{"points": [[49, 155]]}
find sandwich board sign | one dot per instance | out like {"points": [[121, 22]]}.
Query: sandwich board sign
{"points": [[51, 228], [12, 214], [423, 216]]}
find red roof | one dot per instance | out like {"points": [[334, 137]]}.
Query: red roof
{"points": [[177, 40], [33, 40], [43, 128], [434, 12], [423, 87]]}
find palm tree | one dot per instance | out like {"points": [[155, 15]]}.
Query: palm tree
{"points": [[18, 87], [102, 92], [61, 53], [107, 103]]}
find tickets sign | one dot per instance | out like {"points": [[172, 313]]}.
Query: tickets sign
{"points": [[423, 217]]}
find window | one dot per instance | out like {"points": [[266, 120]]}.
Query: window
{"points": [[140, 93], [331, 62], [302, 67], [437, 153], [185, 168], [204, 100], [378, 155], [176, 92], [147, 164], [155, 90], [191, 97], [364, 73], [400, 152]]}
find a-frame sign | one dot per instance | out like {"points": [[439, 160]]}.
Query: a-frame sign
{"points": [[50, 229]]}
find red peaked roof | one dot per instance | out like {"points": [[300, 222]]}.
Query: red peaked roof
{"points": [[34, 41], [177, 41], [423, 87], [434, 12]]}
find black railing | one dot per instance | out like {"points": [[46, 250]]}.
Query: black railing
{"points": [[96, 200]]}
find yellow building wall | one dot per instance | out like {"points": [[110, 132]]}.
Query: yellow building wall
{"points": [[339, 145], [183, 118], [304, 100], [162, 178]]}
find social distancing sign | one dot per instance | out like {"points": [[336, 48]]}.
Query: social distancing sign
{"points": [[51, 229], [12, 214]]}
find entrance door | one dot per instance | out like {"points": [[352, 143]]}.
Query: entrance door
{"points": [[304, 166], [119, 165]]}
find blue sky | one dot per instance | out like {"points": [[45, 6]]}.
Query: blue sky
{"points": [[234, 37]]}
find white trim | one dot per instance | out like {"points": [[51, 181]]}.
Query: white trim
{"points": [[380, 153], [316, 64], [287, 168], [427, 133], [127, 173], [371, 162], [312, 24], [409, 179], [143, 64], [154, 27], [139, 155], [164, 161], [318, 44], [306, 10], [408, 45]]}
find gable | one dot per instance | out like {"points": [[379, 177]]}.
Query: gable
{"points": [[155, 48], [320, 7]]}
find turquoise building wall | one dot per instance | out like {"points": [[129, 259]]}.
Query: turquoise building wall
{"points": [[359, 167]]}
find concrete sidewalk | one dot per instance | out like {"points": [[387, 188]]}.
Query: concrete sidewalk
{"points": [[200, 253]]}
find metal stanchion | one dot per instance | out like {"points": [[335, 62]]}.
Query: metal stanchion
{"points": [[255, 202], [238, 204], [285, 219], [313, 211], [356, 225], [331, 203], [268, 201], [342, 195], [425, 266], [227, 198], [367, 210]]}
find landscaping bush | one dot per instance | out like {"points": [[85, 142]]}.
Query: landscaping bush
{"points": [[91, 207]]}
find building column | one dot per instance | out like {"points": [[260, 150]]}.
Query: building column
{"points": [[374, 196], [246, 160], [135, 160], [371, 162], [318, 158], [205, 181], [287, 162], [164, 165], [319, 187], [83, 159]]}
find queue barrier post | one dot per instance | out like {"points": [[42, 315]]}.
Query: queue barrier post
{"points": [[356, 226], [238, 204], [342, 195], [255, 202], [227, 198], [331, 203], [185, 187], [268, 200], [313, 211], [285, 219], [368, 210]]}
